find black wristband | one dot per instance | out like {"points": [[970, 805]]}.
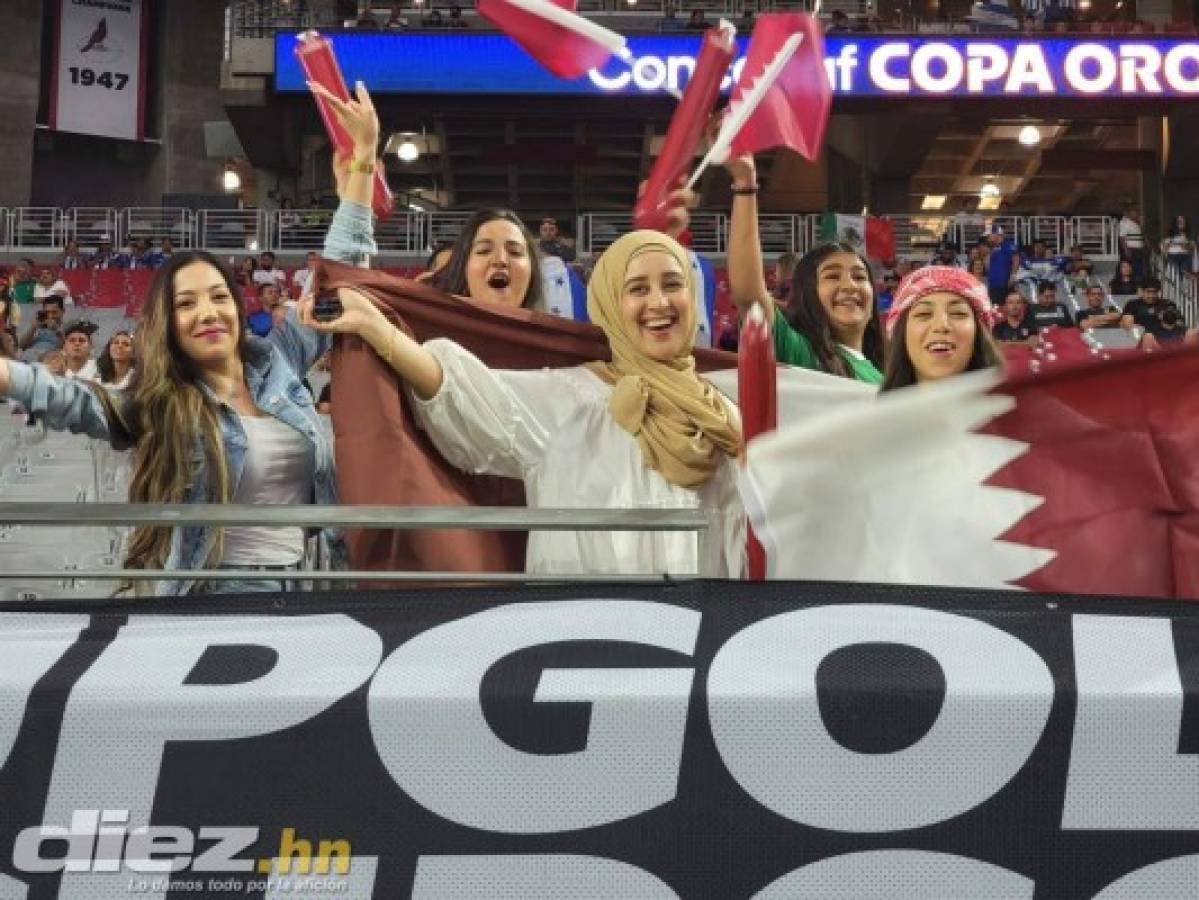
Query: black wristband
{"points": [[747, 191]]}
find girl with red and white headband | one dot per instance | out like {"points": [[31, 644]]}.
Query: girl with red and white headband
{"points": [[939, 325]]}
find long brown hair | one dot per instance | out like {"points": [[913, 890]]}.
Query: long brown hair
{"points": [[451, 277], [900, 372], [104, 362], [165, 412]]}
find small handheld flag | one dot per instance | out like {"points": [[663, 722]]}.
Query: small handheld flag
{"points": [[782, 98]]}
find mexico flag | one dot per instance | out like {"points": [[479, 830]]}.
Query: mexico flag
{"points": [[1079, 480], [872, 235]]}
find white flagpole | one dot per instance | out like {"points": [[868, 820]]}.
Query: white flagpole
{"points": [[742, 109], [614, 42]]}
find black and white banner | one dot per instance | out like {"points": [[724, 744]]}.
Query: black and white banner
{"points": [[702, 740], [98, 77]]}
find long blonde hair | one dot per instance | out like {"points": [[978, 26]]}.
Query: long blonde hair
{"points": [[163, 413]]}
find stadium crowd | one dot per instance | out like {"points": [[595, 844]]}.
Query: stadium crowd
{"points": [[202, 375]]}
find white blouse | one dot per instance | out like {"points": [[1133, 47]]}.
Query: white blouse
{"points": [[551, 429]]}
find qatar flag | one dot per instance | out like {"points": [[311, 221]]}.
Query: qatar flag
{"points": [[786, 58], [554, 34], [1077, 480]]}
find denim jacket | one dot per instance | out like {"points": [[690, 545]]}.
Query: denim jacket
{"points": [[275, 367]]}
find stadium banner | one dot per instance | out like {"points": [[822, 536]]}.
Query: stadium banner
{"points": [[98, 76], [858, 66], [678, 740]]}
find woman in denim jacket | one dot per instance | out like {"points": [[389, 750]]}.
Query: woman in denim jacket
{"points": [[216, 414]]}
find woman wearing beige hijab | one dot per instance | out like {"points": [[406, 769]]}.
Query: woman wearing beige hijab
{"points": [[642, 431]]}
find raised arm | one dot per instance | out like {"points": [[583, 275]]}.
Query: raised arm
{"points": [[351, 235], [747, 279], [64, 404]]}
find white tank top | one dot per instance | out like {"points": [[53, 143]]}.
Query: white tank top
{"points": [[278, 469]]}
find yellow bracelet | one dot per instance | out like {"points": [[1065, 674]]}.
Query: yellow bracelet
{"points": [[365, 167]]}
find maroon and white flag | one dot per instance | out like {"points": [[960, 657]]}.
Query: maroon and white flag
{"points": [[1080, 479], [98, 74], [782, 97], [555, 35]]}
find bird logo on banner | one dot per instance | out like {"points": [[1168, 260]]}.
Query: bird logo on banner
{"points": [[99, 33], [552, 32]]}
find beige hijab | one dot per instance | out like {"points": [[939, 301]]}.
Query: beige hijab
{"points": [[680, 420]]}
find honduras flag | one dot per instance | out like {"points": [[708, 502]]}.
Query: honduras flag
{"points": [[563, 289]]}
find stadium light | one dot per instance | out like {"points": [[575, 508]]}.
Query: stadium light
{"points": [[989, 191], [231, 181], [408, 151], [1029, 136], [933, 201]]}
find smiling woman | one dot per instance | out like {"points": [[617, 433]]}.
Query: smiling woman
{"points": [[213, 414], [831, 323], [939, 326], [642, 431]]}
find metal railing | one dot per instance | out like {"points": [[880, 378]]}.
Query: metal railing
{"points": [[502, 518], [413, 233], [1179, 286], [155, 223]]}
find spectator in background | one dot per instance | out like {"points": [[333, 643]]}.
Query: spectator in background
{"points": [[1132, 241], [697, 21], [978, 268], [50, 285], [784, 269], [887, 295], [1080, 269], [23, 281], [1041, 264], [1124, 283], [104, 257], [54, 361], [550, 242], [838, 22], [1049, 311], [745, 25], [366, 20], [166, 250], [269, 273], [115, 365], [245, 272], [71, 257], [1098, 312], [77, 348], [1017, 326], [1173, 327], [435, 20], [946, 255], [263, 320], [135, 254], [299, 278], [1144, 309], [456, 20], [670, 17], [45, 331], [10, 318], [1179, 247], [151, 257], [396, 19]]}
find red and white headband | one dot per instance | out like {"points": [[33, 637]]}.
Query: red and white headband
{"points": [[934, 279]]}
